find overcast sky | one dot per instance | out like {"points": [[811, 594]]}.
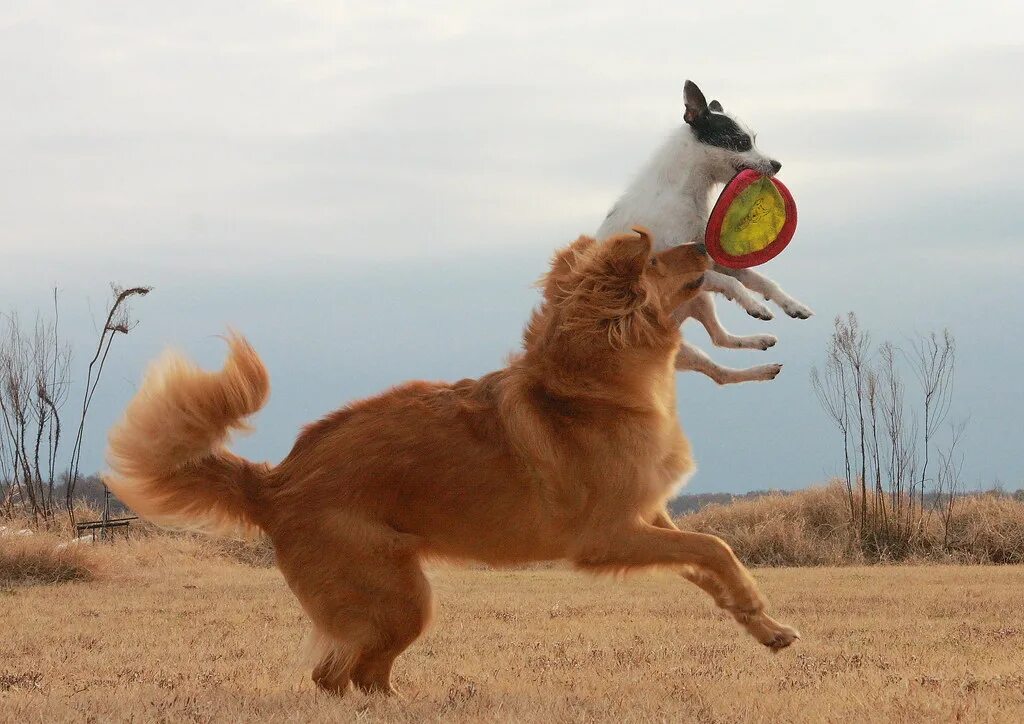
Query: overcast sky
{"points": [[368, 190]]}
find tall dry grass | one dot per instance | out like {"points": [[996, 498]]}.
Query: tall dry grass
{"points": [[50, 553], [256, 552], [807, 528], [814, 528], [42, 559]]}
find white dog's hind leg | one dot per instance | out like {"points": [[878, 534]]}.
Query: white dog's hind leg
{"points": [[691, 358], [702, 308], [732, 289], [769, 290]]}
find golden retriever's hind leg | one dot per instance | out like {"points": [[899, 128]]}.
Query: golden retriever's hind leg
{"points": [[333, 669], [364, 590], [372, 674], [403, 608]]}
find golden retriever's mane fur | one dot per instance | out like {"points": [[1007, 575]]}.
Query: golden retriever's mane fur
{"points": [[597, 289]]}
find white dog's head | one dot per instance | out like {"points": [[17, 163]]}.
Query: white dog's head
{"points": [[726, 145]]}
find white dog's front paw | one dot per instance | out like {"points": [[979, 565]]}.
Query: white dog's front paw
{"points": [[758, 311], [765, 373], [796, 310], [758, 341]]}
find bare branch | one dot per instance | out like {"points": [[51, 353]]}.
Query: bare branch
{"points": [[118, 321]]}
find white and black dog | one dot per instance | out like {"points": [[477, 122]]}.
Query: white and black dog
{"points": [[672, 197]]}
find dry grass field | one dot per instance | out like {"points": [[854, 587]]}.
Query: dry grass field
{"points": [[184, 633]]}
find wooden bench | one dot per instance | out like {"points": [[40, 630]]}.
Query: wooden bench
{"points": [[91, 526]]}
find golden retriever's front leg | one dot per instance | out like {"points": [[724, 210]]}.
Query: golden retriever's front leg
{"points": [[706, 560], [700, 577], [761, 626]]}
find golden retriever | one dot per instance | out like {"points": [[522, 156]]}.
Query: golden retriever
{"points": [[570, 452]]}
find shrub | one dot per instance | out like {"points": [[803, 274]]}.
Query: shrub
{"points": [[40, 558], [813, 527]]}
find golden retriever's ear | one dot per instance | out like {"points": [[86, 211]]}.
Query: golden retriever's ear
{"points": [[628, 253], [645, 234], [564, 262]]}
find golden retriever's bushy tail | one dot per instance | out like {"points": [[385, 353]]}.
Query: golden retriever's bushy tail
{"points": [[167, 456]]}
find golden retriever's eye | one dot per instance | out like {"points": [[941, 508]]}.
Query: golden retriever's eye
{"points": [[654, 261], [696, 283]]}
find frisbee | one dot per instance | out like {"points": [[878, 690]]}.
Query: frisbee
{"points": [[752, 221]]}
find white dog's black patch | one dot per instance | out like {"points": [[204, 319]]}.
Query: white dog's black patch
{"points": [[717, 129], [710, 124]]}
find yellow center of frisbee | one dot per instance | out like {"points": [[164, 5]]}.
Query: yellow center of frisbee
{"points": [[754, 219]]}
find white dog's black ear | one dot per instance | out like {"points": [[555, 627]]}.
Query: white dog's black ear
{"points": [[715, 106], [696, 104]]}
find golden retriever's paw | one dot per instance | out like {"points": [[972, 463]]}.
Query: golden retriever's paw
{"points": [[771, 633], [783, 639]]}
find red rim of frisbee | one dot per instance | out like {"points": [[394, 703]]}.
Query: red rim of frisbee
{"points": [[712, 234]]}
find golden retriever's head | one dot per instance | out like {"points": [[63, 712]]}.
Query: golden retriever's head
{"points": [[619, 289], [667, 279]]}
